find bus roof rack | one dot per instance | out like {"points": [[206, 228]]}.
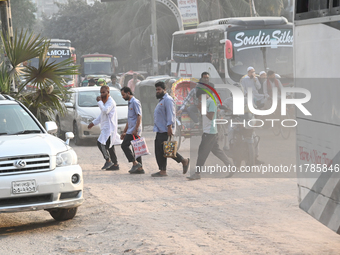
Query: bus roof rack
{"points": [[246, 21]]}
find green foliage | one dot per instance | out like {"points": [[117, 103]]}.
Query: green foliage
{"points": [[47, 79]]}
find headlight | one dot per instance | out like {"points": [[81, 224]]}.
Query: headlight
{"points": [[67, 158], [87, 120]]}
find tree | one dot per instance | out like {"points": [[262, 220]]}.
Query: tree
{"points": [[23, 14], [47, 78]]}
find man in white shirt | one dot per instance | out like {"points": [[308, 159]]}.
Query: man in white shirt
{"points": [[108, 125], [251, 81]]}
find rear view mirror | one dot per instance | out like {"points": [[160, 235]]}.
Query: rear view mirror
{"points": [[228, 49], [68, 105]]}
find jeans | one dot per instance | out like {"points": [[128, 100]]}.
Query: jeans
{"points": [[209, 144]]}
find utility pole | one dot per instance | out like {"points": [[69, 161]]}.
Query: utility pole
{"points": [[153, 38], [7, 30]]}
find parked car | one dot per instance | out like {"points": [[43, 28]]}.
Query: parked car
{"points": [[82, 109], [38, 171]]}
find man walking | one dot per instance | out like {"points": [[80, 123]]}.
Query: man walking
{"points": [[164, 123], [133, 128], [132, 83], [108, 125], [209, 141]]}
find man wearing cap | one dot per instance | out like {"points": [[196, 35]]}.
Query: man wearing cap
{"points": [[252, 82], [101, 82]]}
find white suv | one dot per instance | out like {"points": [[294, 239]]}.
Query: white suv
{"points": [[38, 171]]}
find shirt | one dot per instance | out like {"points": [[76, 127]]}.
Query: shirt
{"points": [[272, 84], [208, 125], [254, 84], [116, 85], [132, 85], [164, 114], [108, 122], [134, 110]]}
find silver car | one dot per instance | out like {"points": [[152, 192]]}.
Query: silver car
{"points": [[82, 109]]}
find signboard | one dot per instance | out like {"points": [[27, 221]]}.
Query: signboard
{"points": [[189, 13], [97, 59], [272, 38]]}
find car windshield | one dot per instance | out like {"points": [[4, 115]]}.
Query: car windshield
{"points": [[15, 120], [88, 98]]}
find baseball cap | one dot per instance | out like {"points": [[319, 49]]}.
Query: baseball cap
{"points": [[250, 68]]}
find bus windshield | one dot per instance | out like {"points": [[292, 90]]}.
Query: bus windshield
{"points": [[98, 65], [266, 49]]}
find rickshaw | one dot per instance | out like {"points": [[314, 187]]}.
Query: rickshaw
{"points": [[124, 78], [185, 127], [146, 93]]}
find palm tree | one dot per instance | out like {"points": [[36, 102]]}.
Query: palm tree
{"points": [[47, 79]]}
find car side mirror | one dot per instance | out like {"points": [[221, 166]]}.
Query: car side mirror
{"points": [[51, 127], [69, 105], [68, 136]]}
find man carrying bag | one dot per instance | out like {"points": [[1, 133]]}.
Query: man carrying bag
{"points": [[132, 130], [164, 123]]}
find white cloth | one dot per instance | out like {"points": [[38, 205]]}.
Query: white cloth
{"points": [[254, 84], [108, 122]]}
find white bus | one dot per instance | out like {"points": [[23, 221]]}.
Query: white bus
{"points": [[317, 68], [227, 47]]}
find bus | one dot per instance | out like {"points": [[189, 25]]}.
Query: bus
{"points": [[227, 47], [316, 68], [97, 66], [59, 51]]}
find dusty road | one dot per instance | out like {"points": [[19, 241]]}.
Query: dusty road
{"points": [[136, 214]]}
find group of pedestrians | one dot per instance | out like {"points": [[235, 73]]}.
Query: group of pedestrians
{"points": [[164, 126], [261, 86]]}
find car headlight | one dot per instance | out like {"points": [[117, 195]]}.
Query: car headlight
{"points": [[67, 158], [87, 120]]}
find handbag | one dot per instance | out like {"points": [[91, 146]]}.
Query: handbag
{"points": [[170, 148], [139, 146]]}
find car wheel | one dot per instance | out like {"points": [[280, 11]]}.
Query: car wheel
{"points": [[77, 140], [60, 133], [62, 214]]}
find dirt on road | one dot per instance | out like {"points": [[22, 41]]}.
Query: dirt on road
{"points": [[138, 214]]}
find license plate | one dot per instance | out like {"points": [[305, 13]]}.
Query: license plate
{"points": [[21, 187]]}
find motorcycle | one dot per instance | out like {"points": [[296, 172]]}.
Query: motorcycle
{"points": [[242, 143]]}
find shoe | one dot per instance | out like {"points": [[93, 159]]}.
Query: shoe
{"points": [[185, 168], [138, 172], [158, 174], [258, 162], [107, 165], [113, 168], [193, 177], [134, 168]]}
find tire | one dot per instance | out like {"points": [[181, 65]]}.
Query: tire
{"points": [[250, 154], [60, 133], [77, 140], [61, 214]]}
